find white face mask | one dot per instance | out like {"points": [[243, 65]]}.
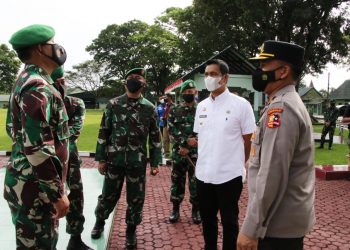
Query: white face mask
{"points": [[212, 83]]}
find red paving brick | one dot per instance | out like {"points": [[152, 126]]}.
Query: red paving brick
{"points": [[332, 230]]}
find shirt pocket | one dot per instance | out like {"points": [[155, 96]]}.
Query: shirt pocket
{"points": [[203, 122], [255, 148]]}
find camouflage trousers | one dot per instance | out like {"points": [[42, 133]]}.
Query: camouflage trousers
{"points": [[325, 131], [32, 217], [181, 168], [112, 188], [75, 217]]}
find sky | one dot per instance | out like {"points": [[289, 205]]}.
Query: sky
{"points": [[78, 22]]}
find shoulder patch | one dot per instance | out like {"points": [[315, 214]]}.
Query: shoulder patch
{"points": [[273, 121], [274, 110]]}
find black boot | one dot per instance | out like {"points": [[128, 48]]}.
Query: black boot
{"points": [[75, 243], [98, 229], [175, 215], [131, 240], [196, 217]]}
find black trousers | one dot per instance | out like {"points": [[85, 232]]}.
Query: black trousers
{"points": [[224, 198], [281, 243]]}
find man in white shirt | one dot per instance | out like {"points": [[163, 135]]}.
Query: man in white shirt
{"points": [[224, 123]]}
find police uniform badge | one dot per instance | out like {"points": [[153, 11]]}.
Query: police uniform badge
{"points": [[273, 121]]}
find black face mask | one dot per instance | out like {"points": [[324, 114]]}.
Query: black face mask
{"points": [[59, 54], [133, 85], [188, 97], [262, 78]]}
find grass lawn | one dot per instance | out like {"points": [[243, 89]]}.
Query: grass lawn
{"points": [[5, 141], [88, 138]]}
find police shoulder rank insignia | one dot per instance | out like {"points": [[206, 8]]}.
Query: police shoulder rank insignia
{"points": [[273, 121]]}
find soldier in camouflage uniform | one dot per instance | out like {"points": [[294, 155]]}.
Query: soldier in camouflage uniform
{"points": [[330, 119], [121, 151], [76, 113], [38, 125], [180, 123]]}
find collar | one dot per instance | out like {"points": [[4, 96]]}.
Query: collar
{"points": [[282, 91], [221, 96], [133, 100], [40, 71]]}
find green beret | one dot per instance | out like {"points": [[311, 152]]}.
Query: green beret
{"points": [[137, 71], [288, 52], [57, 73], [188, 84], [31, 35]]}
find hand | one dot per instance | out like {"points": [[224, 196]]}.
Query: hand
{"points": [[61, 207], [246, 243], [183, 151], [327, 124], [192, 142], [154, 171], [102, 168]]}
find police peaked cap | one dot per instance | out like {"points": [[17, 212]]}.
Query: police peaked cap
{"points": [[288, 52]]}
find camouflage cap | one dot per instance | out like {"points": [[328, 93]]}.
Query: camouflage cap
{"points": [[188, 84], [57, 73], [31, 35], [137, 71]]}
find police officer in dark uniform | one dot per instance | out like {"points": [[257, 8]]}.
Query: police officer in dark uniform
{"points": [[330, 120]]}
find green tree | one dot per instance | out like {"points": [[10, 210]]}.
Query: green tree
{"points": [[87, 75], [321, 26], [9, 66], [137, 44]]}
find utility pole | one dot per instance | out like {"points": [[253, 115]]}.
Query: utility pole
{"points": [[328, 88]]}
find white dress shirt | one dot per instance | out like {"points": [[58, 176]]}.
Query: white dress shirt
{"points": [[220, 124]]}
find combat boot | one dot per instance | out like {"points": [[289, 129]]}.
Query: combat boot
{"points": [[76, 243], [98, 229], [196, 217], [175, 215], [131, 240]]}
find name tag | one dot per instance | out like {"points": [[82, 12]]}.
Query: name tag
{"points": [[203, 116]]}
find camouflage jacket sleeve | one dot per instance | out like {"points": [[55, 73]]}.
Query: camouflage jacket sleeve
{"points": [[77, 119], [9, 128], [45, 128], [104, 134], [154, 142], [178, 137]]}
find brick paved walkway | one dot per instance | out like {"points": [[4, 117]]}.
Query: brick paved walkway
{"points": [[332, 230]]}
